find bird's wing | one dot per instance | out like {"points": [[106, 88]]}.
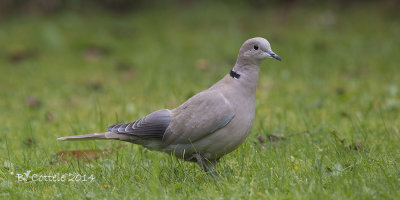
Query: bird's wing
{"points": [[198, 117], [152, 126]]}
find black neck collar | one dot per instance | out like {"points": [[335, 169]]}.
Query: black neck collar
{"points": [[233, 74]]}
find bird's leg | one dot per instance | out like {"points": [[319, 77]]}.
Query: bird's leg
{"points": [[207, 165]]}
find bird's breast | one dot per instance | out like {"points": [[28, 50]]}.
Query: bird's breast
{"points": [[230, 137]]}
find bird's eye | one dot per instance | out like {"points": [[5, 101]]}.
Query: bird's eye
{"points": [[255, 47]]}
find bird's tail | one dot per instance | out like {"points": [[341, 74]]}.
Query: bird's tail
{"points": [[93, 136]]}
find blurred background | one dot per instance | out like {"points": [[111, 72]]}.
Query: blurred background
{"points": [[327, 117], [72, 67]]}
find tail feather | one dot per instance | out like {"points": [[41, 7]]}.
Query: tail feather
{"points": [[93, 136]]}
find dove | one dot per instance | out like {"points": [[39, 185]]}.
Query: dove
{"points": [[208, 125]]}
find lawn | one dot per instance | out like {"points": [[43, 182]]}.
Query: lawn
{"points": [[327, 122]]}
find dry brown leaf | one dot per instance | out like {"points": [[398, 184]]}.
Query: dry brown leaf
{"points": [[95, 85], [202, 64], [261, 139], [276, 137], [95, 52], [50, 116], [33, 102], [21, 55], [86, 155], [356, 146], [28, 142]]}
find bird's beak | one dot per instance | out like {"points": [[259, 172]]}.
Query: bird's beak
{"points": [[274, 55]]}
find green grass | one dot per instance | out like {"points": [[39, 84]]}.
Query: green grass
{"points": [[339, 76]]}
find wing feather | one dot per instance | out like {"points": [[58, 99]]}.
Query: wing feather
{"points": [[152, 126], [201, 115]]}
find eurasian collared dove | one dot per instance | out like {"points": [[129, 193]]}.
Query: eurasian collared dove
{"points": [[207, 126]]}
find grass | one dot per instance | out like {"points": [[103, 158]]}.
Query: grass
{"points": [[338, 84]]}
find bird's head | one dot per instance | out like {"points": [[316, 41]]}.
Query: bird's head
{"points": [[257, 49]]}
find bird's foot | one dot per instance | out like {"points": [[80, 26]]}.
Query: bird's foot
{"points": [[207, 165]]}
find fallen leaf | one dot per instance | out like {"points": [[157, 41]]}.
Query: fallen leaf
{"points": [[28, 142], [356, 146], [340, 91], [33, 102], [95, 52], [21, 55], [275, 139], [202, 64], [50, 116], [344, 114], [95, 85], [86, 155], [337, 138], [261, 139]]}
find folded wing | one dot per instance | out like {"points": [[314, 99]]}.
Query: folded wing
{"points": [[152, 126], [201, 115]]}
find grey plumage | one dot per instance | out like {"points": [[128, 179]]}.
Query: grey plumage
{"points": [[152, 126], [207, 126]]}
